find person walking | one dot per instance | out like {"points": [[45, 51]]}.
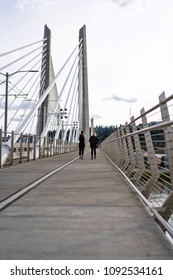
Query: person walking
{"points": [[81, 144], [93, 144]]}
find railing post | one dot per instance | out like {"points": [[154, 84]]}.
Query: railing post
{"points": [[28, 148], [44, 142], [168, 132], [47, 143], [0, 148], [113, 146], [51, 146], [120, 151], [125, 150], [117, 151], [131, 151], [12, 147], [151, 157], [34, 147], [139, 155], [20, 157], [39, 145], [167, 207]]}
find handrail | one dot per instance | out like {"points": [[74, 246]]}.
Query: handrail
{"points": [[143, 154]]}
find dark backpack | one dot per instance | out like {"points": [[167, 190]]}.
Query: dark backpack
{"points": [[81, 138], [93, 140]]}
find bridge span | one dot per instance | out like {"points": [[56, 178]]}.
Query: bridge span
{"points": [[63, 207]]}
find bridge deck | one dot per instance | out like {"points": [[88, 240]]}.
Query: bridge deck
{"points": [[85, 211]]}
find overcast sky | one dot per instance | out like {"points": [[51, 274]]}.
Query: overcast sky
{"points": [[129, 44]]}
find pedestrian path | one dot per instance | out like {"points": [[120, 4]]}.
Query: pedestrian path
{"points": [[84, 211]]}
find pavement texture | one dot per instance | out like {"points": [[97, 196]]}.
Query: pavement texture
{"points": [[86, 211]]}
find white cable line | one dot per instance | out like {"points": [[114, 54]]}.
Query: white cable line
{"points": [[36, 99], [42, 98], [31, 124], [80, 89], [76, 131], [29, 90], [22, 88], [27, 73], [65, 106], [18, 49], [74, 112], [49, 120], [20, 58], [72, 100], [24, 75], [69, 92]]}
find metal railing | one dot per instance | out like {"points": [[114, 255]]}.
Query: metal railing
{"points": [[142, 151], [28, 147]]}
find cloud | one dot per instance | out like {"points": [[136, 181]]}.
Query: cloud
{"points": [[95, 116], [33, 4], [134, 5], [117, 98], [123, 3]]}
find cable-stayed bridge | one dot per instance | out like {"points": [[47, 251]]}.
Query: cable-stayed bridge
{"points": [[119, 206], [34, 104]]}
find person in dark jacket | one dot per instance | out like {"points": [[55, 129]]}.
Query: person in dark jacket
{"points": [[81, 144], [93, 144]]}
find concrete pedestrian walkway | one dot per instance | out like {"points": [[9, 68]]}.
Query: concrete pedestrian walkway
{"points": [[85, 211]]}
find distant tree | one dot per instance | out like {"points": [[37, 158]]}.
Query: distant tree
{"points": [[104, 131]]}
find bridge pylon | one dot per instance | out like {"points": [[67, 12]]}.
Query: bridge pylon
{"points": [[84, 101], [46, 59]]}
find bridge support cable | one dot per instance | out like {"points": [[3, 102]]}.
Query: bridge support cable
{"points": [[74, 132], [72, 104], [48, 98], [70, 108], [54, 109], [21, 48], [19, 83], [141, 150], [40, 101], [22, 57]]}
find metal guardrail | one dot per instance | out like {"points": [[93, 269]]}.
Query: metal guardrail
{"points": [[28, 148], [142, 151]]}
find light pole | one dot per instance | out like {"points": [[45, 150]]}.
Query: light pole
{"points": [[7, 75]]}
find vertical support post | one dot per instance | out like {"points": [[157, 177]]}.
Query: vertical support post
{"points": [[168, 132], [39, 146], [117, 151], [120, 150], [28, 147], [139, 155], [126, 151], [21, 139], [130, 149], [0, 148], [167, 207], [12, 147], [34, 147], [85, 103], [151, 157], [6, 106], [44, 147]]}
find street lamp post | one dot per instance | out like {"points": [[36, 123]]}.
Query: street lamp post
{"points": [[7, 75]]}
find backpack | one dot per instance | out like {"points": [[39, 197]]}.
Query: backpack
{"points": [[93, 140], [81, 139]]}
